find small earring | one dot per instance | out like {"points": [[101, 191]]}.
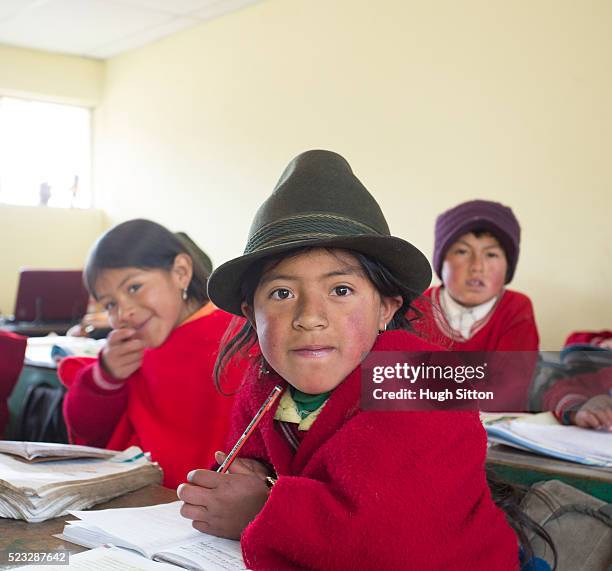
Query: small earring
{"points": [[184, 294], [383, 329]]}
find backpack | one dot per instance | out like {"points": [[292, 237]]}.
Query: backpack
{"points": [[580, 526], [42, 419]]}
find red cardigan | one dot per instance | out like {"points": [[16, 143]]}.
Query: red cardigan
{"points": [[510, 326], [374, 490], [169, 407]]}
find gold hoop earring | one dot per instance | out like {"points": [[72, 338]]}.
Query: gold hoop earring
{"points": [[383, 329]]}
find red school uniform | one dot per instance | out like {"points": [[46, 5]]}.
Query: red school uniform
{"points": [[169, 406], [509, 326], [373, 490], [571, 393]]}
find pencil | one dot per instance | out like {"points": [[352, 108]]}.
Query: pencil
{"points": [[276, 391]]}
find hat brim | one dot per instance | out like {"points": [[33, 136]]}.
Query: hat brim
{"points": [[406, 262]]}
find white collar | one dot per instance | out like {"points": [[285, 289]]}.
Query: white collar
{"points": [[461, 318]]}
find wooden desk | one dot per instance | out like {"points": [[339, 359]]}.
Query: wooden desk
{"points": [[524, 468], [18, 535]]}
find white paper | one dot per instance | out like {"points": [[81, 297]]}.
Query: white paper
{"points": [[35, 476], [571, 439], [209, 552], [156, 530], [585, 446], [105, 559], [151, 528]]}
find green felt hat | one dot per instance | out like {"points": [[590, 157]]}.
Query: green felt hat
{"points": [[319, 202]]}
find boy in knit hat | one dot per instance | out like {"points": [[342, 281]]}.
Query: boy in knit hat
{"points": [[475, 255]]}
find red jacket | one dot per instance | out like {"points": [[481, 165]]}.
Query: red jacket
{"points": [[169, 407], [374, 490], [510, 326]]}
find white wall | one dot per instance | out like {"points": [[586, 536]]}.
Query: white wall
{"points": [[55, 238]]}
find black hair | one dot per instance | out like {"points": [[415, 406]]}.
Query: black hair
{"points": [[148, 245], [387, 285], [508, 497], [238, 341]]}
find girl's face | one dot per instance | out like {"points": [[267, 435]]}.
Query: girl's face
{"points": [[474, 269], [317, 315], [147, 301]]}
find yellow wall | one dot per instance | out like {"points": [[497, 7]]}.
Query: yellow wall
{"points": [[54, 77], [43, 238], [432, 103], [46, 237]]}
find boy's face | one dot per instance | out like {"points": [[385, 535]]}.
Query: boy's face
{"points": [[317, 315], [474, 269]]}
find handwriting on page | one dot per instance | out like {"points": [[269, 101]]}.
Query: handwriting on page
{"points": [[211, 553]]}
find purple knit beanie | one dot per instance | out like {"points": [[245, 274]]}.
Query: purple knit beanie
{"points": [[478, 215]]}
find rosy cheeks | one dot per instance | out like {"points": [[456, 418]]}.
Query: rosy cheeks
{"points": [[362, 335], [474, 269], [316, 315]]}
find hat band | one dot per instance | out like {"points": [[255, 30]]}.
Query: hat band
{"points": [[306, 227]]}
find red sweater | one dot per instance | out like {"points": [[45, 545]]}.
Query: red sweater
{"points": [[169, 407], [374, 490], [510, 326], [588, 337], [571, 394]]}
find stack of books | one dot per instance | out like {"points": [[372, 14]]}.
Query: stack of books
{"points": [[40, 481]]}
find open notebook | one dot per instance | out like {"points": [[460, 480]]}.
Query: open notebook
{"points": [[106, 558], [156, 532], [541, 435]]}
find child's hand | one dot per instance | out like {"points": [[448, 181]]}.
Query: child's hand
{"points": [[122, 354], [244, 466], [224, 504], [595, 413]]}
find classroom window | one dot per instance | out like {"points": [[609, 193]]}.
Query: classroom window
{"points": [[45, 154]]}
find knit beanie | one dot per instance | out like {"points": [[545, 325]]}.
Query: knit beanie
{"points": [[466, 217]]}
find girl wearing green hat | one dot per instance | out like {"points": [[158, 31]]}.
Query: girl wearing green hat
{"points": [[322, 484]]}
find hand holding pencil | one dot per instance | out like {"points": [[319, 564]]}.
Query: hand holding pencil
{"points": [[224, 502]]}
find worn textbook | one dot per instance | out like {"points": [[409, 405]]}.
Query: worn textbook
{"points": [[37, 491], [47, 451], [157, 532]]}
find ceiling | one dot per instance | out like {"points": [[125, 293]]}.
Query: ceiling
{"points": [[102, 28]]}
